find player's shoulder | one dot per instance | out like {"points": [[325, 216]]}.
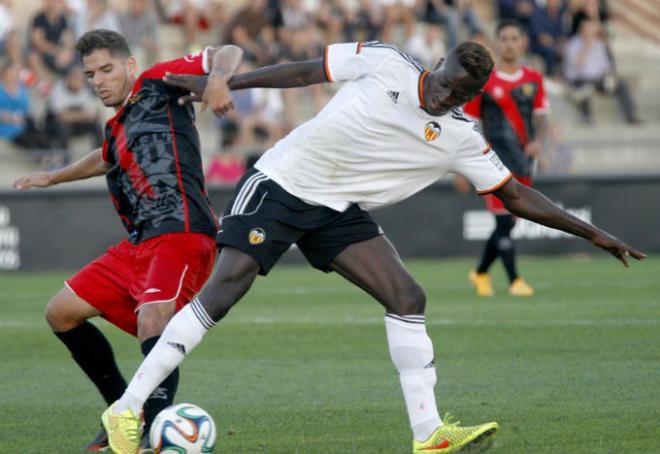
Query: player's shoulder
{"points": [[387, 50], [530, 73]]}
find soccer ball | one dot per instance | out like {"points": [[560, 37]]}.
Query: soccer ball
{"points": [[183, 429]]}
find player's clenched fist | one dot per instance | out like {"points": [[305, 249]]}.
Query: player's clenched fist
{"points": [[33, 180]]}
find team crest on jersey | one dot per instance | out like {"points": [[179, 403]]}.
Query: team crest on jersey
{"points": [[528, 89], [135, 98], [431, 131], [256, 236]]}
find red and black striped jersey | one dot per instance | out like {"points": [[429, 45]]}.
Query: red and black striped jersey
{"points": [[156, 179], [506, 109]]}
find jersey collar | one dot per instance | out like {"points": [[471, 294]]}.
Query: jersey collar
{"points": [[509, 77], [420, 87]]}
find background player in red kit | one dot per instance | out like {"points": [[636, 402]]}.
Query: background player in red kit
{"points": [[513, 112], [152, 163]]}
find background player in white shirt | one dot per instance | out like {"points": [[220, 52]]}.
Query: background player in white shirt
{"points": [[391, 130]]}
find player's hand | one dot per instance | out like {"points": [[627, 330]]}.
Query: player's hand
{"points": [[189, 82], [217, 95], [617, 248], [533, 148], [33, 180]]}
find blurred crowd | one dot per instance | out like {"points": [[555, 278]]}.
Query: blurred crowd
{"points": [[568, 40]]}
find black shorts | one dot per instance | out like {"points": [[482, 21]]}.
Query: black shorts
{"points": [[263, 221]]}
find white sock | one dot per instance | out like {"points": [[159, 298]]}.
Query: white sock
{"points": [[411, 351], [180, 337]]}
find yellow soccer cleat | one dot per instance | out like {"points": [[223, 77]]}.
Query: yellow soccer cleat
{"points": [[520, 288], [450, 437], [481, 282], [124, 430]]}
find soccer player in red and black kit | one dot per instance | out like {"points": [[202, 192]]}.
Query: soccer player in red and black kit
{"points": [[513, 112], [152, 163]]}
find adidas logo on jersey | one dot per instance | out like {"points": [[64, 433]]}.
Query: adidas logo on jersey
{"points": [[394, 96]]}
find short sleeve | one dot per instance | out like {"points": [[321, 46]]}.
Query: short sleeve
{"points": [[541, 103], [190, 64], [349, 61], [473, 107], [476, 161]]}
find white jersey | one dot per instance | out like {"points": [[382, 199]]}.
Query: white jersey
{"points": [[373, 144]]}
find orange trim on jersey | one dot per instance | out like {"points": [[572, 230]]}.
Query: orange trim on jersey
{"points": [[497, 186], [420, 89], [359, 48], [325, 65]]}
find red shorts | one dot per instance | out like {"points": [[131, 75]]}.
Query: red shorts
{"points": [[495, 205], [170, 267]]}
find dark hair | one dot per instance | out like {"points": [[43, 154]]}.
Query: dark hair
{"points": [[505, 23], [102, 39], [475, 59]]}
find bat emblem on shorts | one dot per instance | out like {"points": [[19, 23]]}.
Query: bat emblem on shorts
{"points": [[256, 236]]}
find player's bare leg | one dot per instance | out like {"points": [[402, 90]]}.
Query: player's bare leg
{"points": [[375, 266], [67, 315]]}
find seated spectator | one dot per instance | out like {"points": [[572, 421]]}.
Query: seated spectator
{"points": [[192, 15], [335, 20], [139, 25], [587, 66], [10, 41], [398, 12], [51, 41], [426, 46], [73, 111], [589, 9], [518, 10], [96, 15], [368, 22], [16, 125], [246, 29], [547, 34], [449, 13]]}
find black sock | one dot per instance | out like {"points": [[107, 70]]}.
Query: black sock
{"points": [[163, 396], [93, 353], [506, 246], [489, 254]]}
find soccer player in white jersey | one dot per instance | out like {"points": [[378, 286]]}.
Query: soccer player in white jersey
{"points": [[391, 130]]}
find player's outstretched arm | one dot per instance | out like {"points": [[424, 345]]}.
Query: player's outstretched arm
{"points": [[225, 60], [90, 166], [283, 75], [530, 204]]}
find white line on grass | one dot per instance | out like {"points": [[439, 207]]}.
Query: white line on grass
{"points": [[31, 324]]}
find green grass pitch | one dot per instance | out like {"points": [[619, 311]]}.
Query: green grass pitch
{"points": [[301, 365]]}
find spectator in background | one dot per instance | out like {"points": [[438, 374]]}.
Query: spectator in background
{"points": [[10, 41], [449, 13], [518, 10], [16, 124], [245, 30], [589, 9], [426, 45], [332, 21], [95, 16], [398, 12], [547, 34], [139, 25], [588, 67], [51, 41], [368, 21], [73, 111], [192, 15]]}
